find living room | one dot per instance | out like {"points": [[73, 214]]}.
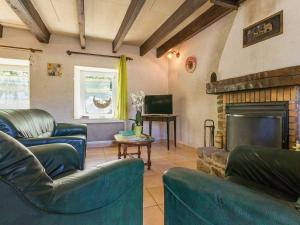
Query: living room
{"points": [[149, 112]]}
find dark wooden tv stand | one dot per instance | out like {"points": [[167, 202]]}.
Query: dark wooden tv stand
{"points": [[162, 118]]}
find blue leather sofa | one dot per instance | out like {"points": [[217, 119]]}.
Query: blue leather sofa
{"points": [[46, 188], [262, 187], [37, 127]]}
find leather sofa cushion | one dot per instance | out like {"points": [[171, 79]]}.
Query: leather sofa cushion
{"points": [[27, 123], [261, 188], [15, 161], [277, 169]]}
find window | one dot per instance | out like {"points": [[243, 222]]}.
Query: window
{"points": [[95, 92], [14, 84]]}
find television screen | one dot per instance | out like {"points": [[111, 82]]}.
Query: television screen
{"points": [[158, 104]]}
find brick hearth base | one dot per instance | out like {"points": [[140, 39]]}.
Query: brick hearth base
{"points": [[212, 160]]}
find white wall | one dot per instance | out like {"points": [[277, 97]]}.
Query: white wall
{"points": [[277, 52], [55, 94], [189, 90], [219, 48]]}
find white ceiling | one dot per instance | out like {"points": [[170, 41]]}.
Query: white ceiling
{"points": [[102, 17]]}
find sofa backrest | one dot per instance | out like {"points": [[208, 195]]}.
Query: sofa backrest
{"points": [[26, 123], [21, 170], [278, 169]]}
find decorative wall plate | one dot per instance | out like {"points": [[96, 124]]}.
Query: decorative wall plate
{"points": [[190, 64]]}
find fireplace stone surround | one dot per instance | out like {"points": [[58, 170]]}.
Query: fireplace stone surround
{"points": [[277, 86]]}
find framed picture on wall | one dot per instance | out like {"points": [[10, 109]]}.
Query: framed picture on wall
{"points": [[54, 69], [263, 30]]}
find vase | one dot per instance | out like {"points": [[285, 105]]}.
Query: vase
{"points": [[137, 130]]}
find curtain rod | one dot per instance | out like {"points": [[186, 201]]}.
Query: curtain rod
{"points": [[93, 54], [33, 50]]}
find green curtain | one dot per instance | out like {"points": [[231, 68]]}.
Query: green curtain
{"points": [[121, 110]]}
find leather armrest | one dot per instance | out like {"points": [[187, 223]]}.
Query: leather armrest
{"points": [[56, 158], [68, 129], [78, 142], [91, 189], [196, 198]]}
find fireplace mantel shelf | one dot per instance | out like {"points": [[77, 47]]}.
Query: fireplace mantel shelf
{"points": [[284, 77]]}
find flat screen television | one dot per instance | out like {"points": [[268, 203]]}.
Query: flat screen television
{"points": [[158, 104]]}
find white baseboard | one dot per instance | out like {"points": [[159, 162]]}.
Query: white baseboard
{"points": [[100, 144]]}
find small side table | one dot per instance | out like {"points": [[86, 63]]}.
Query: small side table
{"points": [[162, 118], [126, 142]]}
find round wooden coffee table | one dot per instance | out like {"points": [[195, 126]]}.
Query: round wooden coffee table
{"points": [[125, 142]]}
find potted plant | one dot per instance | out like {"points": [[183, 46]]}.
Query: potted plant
{"points": [[138, 102]]}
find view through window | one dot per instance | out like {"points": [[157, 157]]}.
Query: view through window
{"points": [[94, 92], [14, 84]]}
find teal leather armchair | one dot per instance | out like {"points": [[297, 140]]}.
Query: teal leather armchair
{"points": [[37, 127], [39, 189], [262, 187]]}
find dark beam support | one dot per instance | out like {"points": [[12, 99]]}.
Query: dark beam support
{"points": [[209, 17], [184, 11], [1, 30], [81, 22], [130, 16], [231, 4], [28, 14]]}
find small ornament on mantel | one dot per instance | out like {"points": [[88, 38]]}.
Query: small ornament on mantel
{"points": [[191, 64], [213, 77]]}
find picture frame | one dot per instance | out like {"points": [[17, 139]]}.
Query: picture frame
{"points": [[54, 69], [265, 29]]}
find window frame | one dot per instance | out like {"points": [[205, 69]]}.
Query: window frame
{"points": [[18, 65], [78, 104]]}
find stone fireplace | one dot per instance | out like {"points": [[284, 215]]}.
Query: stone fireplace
{"points": [[266, 102]]}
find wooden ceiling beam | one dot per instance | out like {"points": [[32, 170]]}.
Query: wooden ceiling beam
{"points": [[231, 4], [184, 11], [212, 15], [1, 30], [28, 14], [130, 16], [81, 22]]}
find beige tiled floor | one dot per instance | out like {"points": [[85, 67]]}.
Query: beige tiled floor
{"points": [[162, 159]]}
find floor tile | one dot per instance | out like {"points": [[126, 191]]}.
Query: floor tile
{"points": [[148, 199], [188, 164], [162, 207], [153, 216], [153, 181], [157, 193]]}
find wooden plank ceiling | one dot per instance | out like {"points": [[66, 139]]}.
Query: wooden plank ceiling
{"points": [[29, 15]]}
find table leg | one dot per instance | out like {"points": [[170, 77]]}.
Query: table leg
{"points": [[150, 128], [175, 132], [125, 151], [139, 152], [119, 151], [168, 131], [149, 156]]}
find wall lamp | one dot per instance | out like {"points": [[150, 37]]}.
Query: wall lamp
{"points": [[173, 52]]}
